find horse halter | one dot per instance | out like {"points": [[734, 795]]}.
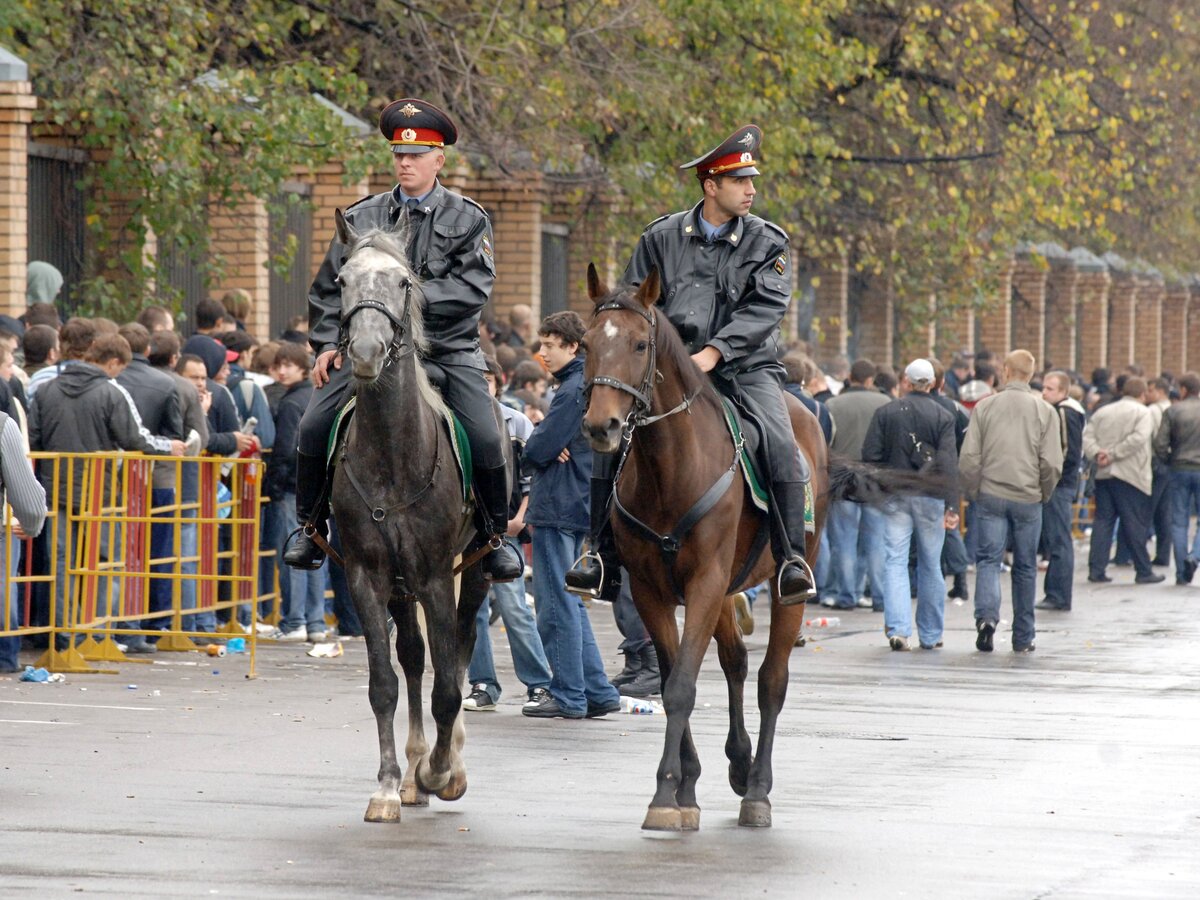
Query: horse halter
{"points": [[400, 324]]}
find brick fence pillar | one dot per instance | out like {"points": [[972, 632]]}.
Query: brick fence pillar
{"points": [[1148, 323], [1061, 319], [17, 104], [1029, 304], [995, 319], [239, 236], [831, 298], [1122, 311], [876, 319], [515, 204], [1091, 305], [1175, 328], [954, 332], [1192, 349]]}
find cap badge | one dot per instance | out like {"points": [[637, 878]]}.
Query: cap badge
{"points": [[408, 135], [748, 139], [408, 110], [747, 157]]}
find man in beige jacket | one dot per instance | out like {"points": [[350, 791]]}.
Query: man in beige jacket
{"points": [[1118, 438], [1010, 462]]}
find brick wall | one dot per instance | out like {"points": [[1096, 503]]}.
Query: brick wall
{"points": [[239, 237], [1193, 327], [1028, 288], [1061, 315], [1091, 299], [831, 296], [876, 320], [1122, 312], [1175, 328], [1148, 324], [17, 104], [515, 204], [955, 332], [995, 324]]}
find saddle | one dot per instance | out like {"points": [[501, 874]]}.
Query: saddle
{"points": [[454, 428], [745, 428]]}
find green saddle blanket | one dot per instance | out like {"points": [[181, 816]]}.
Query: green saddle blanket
{"points": [[754, 482], [458, 439]]}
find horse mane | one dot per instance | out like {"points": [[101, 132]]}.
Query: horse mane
{"points": [[671, 348], [394, 244]]}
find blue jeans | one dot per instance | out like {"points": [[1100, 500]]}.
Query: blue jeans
{"points": [[162, 544], [529, 659], [189, 535], [849, 566], [1185, 496], [301, 592], [577, 677], [870, 548], [823, 570], [996, 519], [906, 519], [9, 646], [1060, 550]]}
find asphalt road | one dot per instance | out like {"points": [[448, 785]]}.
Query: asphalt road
{"points": [[1073, 772]]}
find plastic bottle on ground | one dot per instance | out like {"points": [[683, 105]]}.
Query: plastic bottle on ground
{"points": [[822, 621], [637, 707]]}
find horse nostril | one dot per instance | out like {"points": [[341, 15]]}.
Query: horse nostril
{"points": [[613, 424]]}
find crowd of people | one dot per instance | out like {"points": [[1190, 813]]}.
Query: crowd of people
{"points": [[1018, 449]]}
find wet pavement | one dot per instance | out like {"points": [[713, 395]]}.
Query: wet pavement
{"points": [[1072, 772]]}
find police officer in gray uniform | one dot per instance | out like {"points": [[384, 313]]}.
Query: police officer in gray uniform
{"points": [[726, 284], [450, 247]]}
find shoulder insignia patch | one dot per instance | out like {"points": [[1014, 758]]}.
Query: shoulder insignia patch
{"points": [[781, 264]]}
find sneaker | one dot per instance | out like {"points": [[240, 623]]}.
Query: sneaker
{"points": [[983, 640], [596, 710], [140, 646], [828, 602], [1024, 648], [299, 635], [317, 637], [537, 695], [1046, 604], [898, 642], [548, 708], [264, 630], [864, 603], [479, 700], [935, 646]]}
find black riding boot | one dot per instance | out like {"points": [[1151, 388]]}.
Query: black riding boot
{"points": [[647, 680], [598, 573], [959, 590], [491, 494], [312, 509], [795, 577]]}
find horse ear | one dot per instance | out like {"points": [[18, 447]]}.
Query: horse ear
{"points": [[648, 291], [345, 231], [597, 290]]}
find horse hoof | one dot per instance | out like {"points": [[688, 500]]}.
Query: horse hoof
{"points": [[426, 781], [454, 789], [755, 814], [383, 809], [411, 795], [663, 818], [689, 818]]}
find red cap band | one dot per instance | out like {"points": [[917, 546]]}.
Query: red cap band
{"points": [[739, 160], [425, 137]]}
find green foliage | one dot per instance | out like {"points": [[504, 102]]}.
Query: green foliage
{"points": [[187, 106]]}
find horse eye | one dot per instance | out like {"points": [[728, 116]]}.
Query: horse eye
{"points": [[641, 347]]}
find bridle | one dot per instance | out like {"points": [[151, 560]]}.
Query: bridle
{"points": [[643, 397], [399, 347]]}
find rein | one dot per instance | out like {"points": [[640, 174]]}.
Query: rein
{"points": [[671, 543]]}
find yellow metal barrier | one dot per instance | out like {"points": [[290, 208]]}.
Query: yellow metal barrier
{"points": [[98, 579]]}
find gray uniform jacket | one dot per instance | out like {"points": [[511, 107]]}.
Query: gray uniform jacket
{"points": [[450, 247], [730, 294]]}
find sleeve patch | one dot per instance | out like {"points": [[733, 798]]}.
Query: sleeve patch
{"points": [[487, 247], [781, 264]]}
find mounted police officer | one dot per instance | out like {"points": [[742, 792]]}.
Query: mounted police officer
{"points": [[450, 248], [726, 284]]}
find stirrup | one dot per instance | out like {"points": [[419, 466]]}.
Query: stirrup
{"points": [[580, 590], [796, 599]]}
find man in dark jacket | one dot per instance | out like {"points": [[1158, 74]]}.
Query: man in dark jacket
{"points": [[450, 248], [1177, 442], [914, 433], [1056, 512], [83, 411], [225, 435], [561, 459], [726, 284]]}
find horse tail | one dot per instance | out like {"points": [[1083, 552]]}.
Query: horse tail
{"points": [[861, 482]]}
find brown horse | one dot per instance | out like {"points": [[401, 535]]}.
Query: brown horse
{"points": [[645, 386]]}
